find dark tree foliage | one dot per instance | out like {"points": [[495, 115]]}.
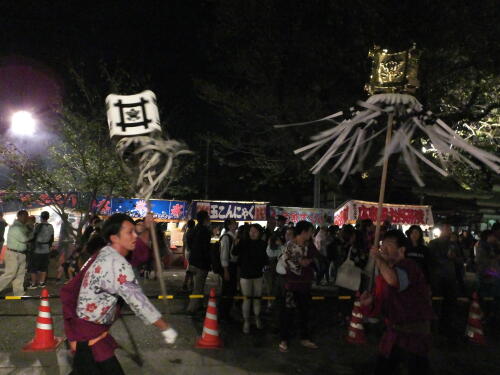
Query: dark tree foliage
{"points": [[225, 71]]}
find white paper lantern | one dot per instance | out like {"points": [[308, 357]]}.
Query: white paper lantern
{"points": [[132, 114]]}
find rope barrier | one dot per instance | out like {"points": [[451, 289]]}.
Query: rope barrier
{"points": [[202, 296]]}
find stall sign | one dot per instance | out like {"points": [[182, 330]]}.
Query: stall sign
{"points": [[317, 216], [352, 211], [232, 210], [11, 202], [162, 209]]}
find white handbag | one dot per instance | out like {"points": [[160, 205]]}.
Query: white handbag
{"points": [[348, 275], [280, 266]]}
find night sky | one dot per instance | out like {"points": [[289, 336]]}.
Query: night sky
{"points": [[312, 53]]}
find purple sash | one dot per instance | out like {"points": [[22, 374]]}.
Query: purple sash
{"points": [[77, 329]]}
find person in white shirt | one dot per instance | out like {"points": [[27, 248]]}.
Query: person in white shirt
{"points": [[275, 248], [229, 263]]}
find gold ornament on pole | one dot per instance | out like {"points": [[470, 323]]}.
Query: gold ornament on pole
{"points": [[395, 72]]}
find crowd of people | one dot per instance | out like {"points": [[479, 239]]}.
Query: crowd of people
{"points": [[28, 251], [284, 261], [31, 245]]}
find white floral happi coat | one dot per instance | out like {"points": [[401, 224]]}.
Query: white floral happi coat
{"points": [[108, 278]]}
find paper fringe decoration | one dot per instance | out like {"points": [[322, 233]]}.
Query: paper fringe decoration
{"points": [[351, 139], [153, 158]]}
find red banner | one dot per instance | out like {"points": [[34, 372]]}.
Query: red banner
{"points": [[352, 211]]}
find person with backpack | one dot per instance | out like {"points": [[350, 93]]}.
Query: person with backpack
{"points": [[91, 301], [229, 264], [215, 260], [252, 258], [274, 250], [199, 258], [43, 238]]}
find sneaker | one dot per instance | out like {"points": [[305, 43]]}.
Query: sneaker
{"points": [[258, 323], [32, 286], [246, 327], [41, 285], [308, 344]]}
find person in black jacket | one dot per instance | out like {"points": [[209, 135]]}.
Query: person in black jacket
{"points": [[199, 257], [252, 258], [417, 250]]}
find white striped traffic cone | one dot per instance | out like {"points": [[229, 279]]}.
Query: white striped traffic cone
{"points": [[210, 337], [474, 330], [356, 333], [44, 333]]}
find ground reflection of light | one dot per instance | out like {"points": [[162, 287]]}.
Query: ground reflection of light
{"points": [[23, 123]]}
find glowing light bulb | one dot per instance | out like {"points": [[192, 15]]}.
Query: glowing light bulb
{"points": [[23, 123]]}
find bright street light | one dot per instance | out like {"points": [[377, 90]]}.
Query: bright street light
{"points": [[23, 123]]}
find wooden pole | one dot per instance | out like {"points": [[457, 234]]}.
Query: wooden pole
{"points": [[381, 196], [156, 252], [383, 180]]}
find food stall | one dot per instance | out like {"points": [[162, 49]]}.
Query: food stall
{"points": [[402, 215], [317, 216], [242, 212], [170, 214]]}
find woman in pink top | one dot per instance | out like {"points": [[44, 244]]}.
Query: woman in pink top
{"points": [[142, 252]]}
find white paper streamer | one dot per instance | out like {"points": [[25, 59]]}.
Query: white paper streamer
{"points": [[154, 158], [366, 125]]}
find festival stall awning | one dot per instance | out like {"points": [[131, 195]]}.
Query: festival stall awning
{"points": [[241, 211], [317, 216], [13, 202], [401, 214], [162, 209]]}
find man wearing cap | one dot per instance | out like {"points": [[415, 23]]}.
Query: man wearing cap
{"points": [[15, 257]]}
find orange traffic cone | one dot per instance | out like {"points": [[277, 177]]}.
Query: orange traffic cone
{"points": [[356, 333], [474, 329], [44, 333], [210, 338]]}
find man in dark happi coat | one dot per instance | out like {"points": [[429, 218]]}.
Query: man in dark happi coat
{"points": [[403, 297]]}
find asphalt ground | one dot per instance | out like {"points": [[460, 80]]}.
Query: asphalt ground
{"points": [[143, 351]]}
